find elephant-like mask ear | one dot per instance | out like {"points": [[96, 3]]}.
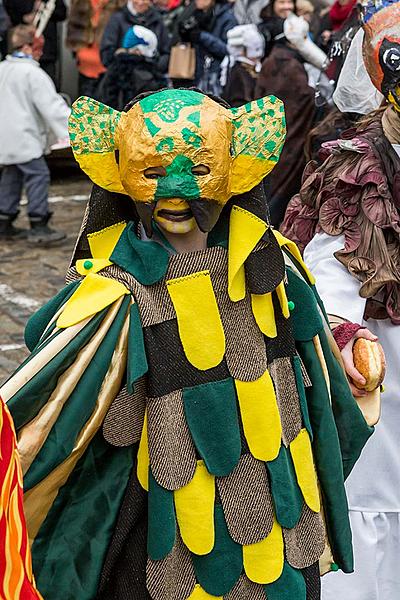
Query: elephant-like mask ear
{"points": [[259, 130], [92, 129]]}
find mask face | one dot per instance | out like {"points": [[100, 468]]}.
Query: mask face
{"points": [[178, 148], [176, 145], [381, 48]]}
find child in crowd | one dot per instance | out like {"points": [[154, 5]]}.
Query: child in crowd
{"points": [[240, 69], [33, 116], [134, 69]]}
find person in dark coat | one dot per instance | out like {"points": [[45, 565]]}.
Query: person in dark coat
{"points": [[241, 69], [133, 70], [136, 12], [283, 75], [23, 12], [272, 17], [205, 25]]}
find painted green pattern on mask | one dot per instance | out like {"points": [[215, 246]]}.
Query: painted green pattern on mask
{"points": [[152, 128], [191, 138], [165, 144], [195, 118], [169, 103], [179, 181]]}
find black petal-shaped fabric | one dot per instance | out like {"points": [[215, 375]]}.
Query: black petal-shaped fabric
{"points": [[124, 421], [305, 543], [172, 578], [171, 449], [247, 501], [283, 376], [265, 268]]}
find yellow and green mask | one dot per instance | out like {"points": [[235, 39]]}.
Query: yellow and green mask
{"points": [[178, 130]]}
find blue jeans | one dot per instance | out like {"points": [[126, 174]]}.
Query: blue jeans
{"points": [[34, 176]]}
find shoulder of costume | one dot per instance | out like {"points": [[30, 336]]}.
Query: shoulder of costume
{"points": [[94, 292]]}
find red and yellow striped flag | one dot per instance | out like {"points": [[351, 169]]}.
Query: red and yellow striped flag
{"points": [[16, 578]]}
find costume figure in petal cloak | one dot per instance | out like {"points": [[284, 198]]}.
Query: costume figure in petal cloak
{"points": [[184, 425]]}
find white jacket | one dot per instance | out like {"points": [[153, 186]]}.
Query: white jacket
{"points": [[32, 114]]}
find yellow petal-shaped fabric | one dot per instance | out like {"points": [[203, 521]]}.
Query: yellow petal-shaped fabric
{"points": [[264, 314], [301, 452], [263, 561], [245, 231], [260, 416], [143, 460], [293, 249], [103, 242], [199, 321], [194, 506], [94, 293], [200, 594], [283, 301]]}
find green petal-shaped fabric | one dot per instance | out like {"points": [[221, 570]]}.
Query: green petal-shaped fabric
{"points": [[161, 530], [328, 459], [218, 571], [287, 496], [302, 395], [290, 585], [137, 361], [211, 413], [306, 319]]}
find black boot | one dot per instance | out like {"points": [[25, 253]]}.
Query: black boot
{"points": [[7, 229], [41, 234]]}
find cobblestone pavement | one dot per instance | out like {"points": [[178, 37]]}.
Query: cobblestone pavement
{"points": [[29, 276]]}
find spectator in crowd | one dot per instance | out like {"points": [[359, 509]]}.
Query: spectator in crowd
{"points": [[335, 19], [272, 17], [136, 12], [305, 9], [86, 22], [249, 11], [23, 12], [134, 69], [205, 24], [242, 66], [171, 11], [31, 112], [283, 74]]}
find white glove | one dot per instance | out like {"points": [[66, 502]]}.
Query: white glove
{"points": [[296, 31]]}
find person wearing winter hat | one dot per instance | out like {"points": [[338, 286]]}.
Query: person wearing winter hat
{"points": [[134, 69], [241, 68]]}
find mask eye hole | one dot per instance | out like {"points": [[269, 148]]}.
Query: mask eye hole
{"points": [[391, 59], [155, 172], [200, 170]]}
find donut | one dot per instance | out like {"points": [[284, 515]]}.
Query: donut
{"points": [[369, 360]]}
